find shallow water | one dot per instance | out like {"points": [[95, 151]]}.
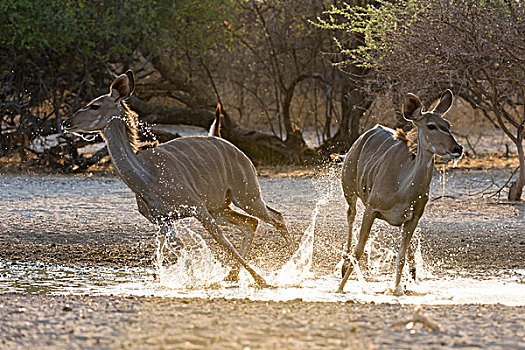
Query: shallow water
{"points": [[197, 273], [455, 287]]}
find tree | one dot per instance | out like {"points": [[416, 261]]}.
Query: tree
{"points": [[261, 59], [265, 66], [475, 47], [51, 53]]}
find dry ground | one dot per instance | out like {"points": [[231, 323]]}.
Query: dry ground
{"points": [[84, 322]]}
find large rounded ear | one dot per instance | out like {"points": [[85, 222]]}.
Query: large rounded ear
{"points": [[412, 107], [123, 86], [131, 79], [444, 102]]}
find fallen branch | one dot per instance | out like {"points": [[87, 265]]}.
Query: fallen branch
{"points": [[260, 147], [417, 317], [505, 184], [442, 197]]}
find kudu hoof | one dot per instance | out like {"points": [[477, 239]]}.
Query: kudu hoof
{"points": [[413, 272], [233, 276], [399, 291], [346, 265]]}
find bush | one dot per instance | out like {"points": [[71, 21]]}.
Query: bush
{"points": [[51, 53]]}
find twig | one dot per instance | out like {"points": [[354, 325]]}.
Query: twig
{"points": [[442, 196], [417, 317], [505, 184]]}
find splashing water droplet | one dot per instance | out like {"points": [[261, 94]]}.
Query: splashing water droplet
{"points": [[192, 266], [298, 268]]}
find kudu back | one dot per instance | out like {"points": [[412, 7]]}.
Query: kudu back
{"points": [[195, 176], [391, 180]]}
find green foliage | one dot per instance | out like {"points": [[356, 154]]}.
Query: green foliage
{"points": [[94, 28], [380, 25], [48, 46], [196, 26], [56, 54], [51, 53], [372, 23]]}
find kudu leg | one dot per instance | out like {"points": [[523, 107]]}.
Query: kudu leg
{"points": [[213, 228], [162, 241], [277, 221], [368, 220], [350, 217], [271, 216], [408, 230], [247, 225], [411, 261]]}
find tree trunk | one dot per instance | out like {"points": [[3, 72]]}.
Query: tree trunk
{"points": [[516, 187], [294, 137], [354, 104], [163, 63]]}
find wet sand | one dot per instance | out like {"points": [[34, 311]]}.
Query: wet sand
{"points": [[94, 221]]}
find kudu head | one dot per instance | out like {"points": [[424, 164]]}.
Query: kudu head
{"points": [[433, 130], [95, 116]]}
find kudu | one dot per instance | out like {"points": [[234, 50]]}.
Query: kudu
{"points": [[194, 176], [392, 182]]}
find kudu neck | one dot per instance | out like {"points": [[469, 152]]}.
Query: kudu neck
{"points": [[423, 164], [122, 154]]}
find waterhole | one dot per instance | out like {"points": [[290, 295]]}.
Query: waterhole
{"points": [[196, 273], [505, 287]]}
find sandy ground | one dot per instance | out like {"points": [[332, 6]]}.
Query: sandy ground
{"points": [[83, 322], [93, 220]]}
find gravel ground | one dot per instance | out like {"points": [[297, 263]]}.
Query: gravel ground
{"points": [[93, 220], [86, 322]]}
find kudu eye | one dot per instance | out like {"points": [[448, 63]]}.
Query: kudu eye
{"points": [[431, 127], [94, 107]]}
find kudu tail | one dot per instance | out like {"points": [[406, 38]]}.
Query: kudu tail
{"points": [[215, 128]]}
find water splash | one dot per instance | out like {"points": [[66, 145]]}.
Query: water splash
{"points": [[194, 265], [86, 136], [189, 267], [443, 180], [196, 268], [424, 271], [298, 268], [456, 287]]}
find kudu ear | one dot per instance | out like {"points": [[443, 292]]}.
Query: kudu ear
{"points": [[444, 102], [412, 107], [123, 86]]}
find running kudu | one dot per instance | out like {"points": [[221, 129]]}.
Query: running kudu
{"points": [[195, 176], [392, 182]]}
